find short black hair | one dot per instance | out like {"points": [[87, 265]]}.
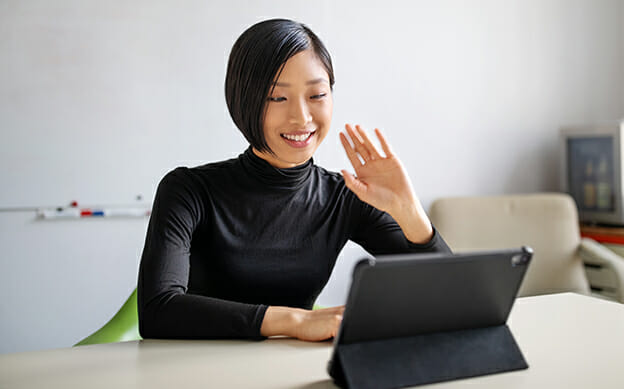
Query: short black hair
{"points": [[256, 59]]}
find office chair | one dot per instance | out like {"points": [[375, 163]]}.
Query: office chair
{"points": [[546, 222], [124, 326]]}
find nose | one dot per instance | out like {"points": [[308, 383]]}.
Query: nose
{"points": [[300, 113]]}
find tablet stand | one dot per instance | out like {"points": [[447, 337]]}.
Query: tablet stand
{"points": [[427, 358]]}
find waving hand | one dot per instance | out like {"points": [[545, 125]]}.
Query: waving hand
{"points": [[381, 181]]}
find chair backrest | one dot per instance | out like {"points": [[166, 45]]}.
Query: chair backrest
{"points": [[124, 326], [546, 222]]}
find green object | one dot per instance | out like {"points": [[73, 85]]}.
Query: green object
{"points": [[124, 326]]}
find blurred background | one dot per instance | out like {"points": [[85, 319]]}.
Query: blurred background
{"points": [[98, 100]]}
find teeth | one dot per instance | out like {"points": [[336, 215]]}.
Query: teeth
{"points": [[297, 138]]}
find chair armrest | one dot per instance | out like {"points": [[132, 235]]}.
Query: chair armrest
{"points": [[596, 255]]}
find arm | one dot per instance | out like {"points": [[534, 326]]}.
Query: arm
{"points": [[593, 253], [165, 309], [383, 183], [378, 233]]}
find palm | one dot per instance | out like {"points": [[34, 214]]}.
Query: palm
{"points": [[381, 180]]}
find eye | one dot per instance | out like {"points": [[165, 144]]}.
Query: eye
{"points": [[276, 99], [319, 96]]}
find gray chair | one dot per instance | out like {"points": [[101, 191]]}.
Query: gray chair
{"points": [[548, 223]]}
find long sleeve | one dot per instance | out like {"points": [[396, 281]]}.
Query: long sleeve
{"points": [[228, 239], [165, 309], [378, 233]]}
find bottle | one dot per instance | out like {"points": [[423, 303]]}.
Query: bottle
{"points": [[589, 186], [603, 185]]}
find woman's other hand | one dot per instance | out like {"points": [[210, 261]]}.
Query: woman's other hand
{"points": [[313, 326], [381, 181]]}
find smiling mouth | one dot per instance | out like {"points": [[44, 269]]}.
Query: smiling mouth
{"points": [[298, 137]]}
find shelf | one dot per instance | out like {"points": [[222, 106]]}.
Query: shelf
{"points": [[602, 234]]}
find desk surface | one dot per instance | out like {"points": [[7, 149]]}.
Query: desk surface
{"points": [[569, 341]]}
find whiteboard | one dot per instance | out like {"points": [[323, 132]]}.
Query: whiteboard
{"points": [[98, 100], [97, 104]]}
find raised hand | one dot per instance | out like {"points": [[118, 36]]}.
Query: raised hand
{"points": [[381, 181]]}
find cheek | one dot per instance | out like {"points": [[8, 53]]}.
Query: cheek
{"points": [[324, 113], [271, 120]]}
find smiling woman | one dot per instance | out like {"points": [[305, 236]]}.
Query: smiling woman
{"points": [[298, 113], [288, 115], [241, 248]]}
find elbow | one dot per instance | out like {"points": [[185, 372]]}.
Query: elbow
{"points": [[147, 323], [150, 314], [158, 317], [146, 328]]}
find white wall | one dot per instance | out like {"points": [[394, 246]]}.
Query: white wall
{"points": [[470, 94]]}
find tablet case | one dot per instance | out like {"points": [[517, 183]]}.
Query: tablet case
{"points": [[447, 343]]}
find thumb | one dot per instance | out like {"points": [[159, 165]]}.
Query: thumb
{"points": [[355, 185]]}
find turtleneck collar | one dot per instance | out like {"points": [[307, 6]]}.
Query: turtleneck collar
{"points": [[261, 170]]}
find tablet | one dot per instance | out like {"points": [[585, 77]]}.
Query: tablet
{"points": [[410, 294]]}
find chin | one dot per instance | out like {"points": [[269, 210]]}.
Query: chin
{"points": [[298, 158]]}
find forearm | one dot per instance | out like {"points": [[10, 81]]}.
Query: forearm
{"points": [[185, 316], [413, 220]]}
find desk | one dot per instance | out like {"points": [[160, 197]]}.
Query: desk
{"points": [[569, 341]]}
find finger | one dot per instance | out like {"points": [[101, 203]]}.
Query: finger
{"points": [[338, 309], [358, 143], [351, 154], [355, 185], [384, 143], [372, 150]]}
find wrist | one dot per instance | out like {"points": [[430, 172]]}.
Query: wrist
{"points": [[281, 321], [414, 222]]}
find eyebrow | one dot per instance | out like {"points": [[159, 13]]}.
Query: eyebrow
{"points": [[311, 82]]}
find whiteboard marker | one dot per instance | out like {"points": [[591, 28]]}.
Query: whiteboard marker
{"points": [[77, 213], [59, 213], [126, 212]]}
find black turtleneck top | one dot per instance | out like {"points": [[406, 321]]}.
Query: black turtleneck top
{"points": [[226, 240]]}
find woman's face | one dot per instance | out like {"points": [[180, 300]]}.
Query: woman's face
{"points": [[298, 111]]}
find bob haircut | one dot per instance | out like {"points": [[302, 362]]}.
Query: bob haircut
{"points": [[256, 61]]}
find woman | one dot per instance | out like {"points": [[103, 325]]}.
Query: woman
{"points": [[241, 248]]}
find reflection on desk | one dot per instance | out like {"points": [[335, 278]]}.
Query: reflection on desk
{"points": [[569, 341]]}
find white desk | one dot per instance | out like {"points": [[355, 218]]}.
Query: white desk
{"points": [[569, 341]]}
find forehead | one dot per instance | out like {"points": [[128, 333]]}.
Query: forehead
{"points": [[302, 67]]}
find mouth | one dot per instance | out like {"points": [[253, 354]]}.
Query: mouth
{"points": [[298, 139]]}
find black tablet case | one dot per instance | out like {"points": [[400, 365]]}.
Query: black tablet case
{"points": [[417, 319]]}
